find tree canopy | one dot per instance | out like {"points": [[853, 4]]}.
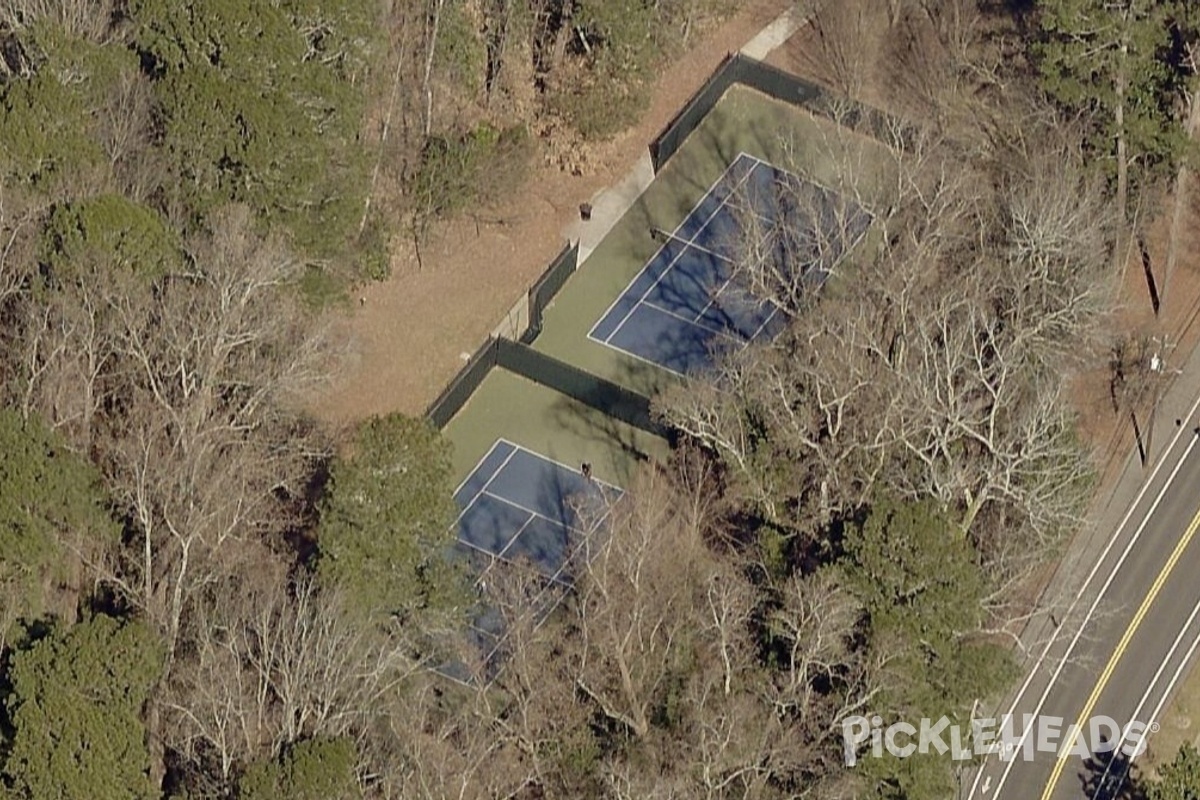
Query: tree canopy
{"points": [[923, 597], [385, 529], [1110, 62], [48, 496], [311, 770], [75, 707], [259, 108], [1179, 780]]}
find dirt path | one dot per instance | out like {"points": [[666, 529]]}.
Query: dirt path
{"points": [[409, 335]]}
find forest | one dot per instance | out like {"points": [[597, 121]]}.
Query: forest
{"points": [[206, 593]]}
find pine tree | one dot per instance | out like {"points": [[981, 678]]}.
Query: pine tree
{"points": [[385, 530], [75, 707], [1108, 60], [1179, 780]]}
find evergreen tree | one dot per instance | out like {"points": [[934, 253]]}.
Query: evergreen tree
{"points": [[922, 592], [260, 108], [119, 232], [48, 128], [46, 494], [385, 530], [312, 770], [1108, 59], [1179, 780], [75, 707]]}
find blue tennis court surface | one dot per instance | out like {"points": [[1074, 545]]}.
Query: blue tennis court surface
{"points": [[688, 301], [517, 504]]}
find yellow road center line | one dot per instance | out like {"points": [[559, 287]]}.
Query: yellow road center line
{"points": [[1155, 588]]}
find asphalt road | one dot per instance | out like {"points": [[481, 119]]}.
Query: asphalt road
{"points": [[1123, 641]]}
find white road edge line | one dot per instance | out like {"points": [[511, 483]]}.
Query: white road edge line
{"points": [[1091, 610], [1150, 687], [1137, 501]]}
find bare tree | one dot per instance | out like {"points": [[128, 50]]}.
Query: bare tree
{"points": [[935, 362], [19, 213], [842, 56], [441, 741], [86, 19], [633, 605], [272, 661]]}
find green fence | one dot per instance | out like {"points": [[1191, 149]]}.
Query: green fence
{"points": [[776, 83], [459, 391], [595, 392], [547, 286]]}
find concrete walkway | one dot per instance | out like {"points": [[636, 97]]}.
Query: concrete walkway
{"points": [[610, 204]]}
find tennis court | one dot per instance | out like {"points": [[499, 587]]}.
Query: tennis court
{"points": [[517, 504], [689, 301]]}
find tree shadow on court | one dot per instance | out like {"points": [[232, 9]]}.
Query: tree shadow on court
{"points": [[1110, 776], [590, 425]]}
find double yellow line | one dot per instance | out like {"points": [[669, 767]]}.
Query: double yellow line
{"points": [[1122, 645]]}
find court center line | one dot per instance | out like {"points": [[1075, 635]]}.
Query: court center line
{"points": [[695, 323], [848, 245], [762, 327], [726, 204], [495, 474], [1061, 762], [479, 464], [530, 511], [674, 235], [504, 550], [663, 246]]}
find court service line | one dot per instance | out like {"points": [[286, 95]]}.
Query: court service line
{"points": [[495, 475], [640, 358], [533, 514], [674, 263], [1061, 762], [479, 464], [685, 320], [557, 463], [765, 323], [1137, 500], [1152, 685], [503, 554], [674, 235]]}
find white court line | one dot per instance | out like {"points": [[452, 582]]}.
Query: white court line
{"points": [[520, 530], [554, 580], [779, 175], [533, 514], [642, 359], [757, 163], [558, 463], [674, 263], [587, 535], [674, 235], [479, 494], [479, 463], [694, 322], [1099, 597], [1150, 688], [767, 321], [516, 448], [567, 529], [692, 243], [712, 298]]}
